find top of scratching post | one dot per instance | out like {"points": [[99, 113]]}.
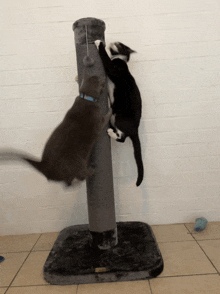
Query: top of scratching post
{"points": [[88, 29], [89, 21]]}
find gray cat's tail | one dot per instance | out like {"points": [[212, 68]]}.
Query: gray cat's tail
{"points": [[138, 157], [13, 155]]}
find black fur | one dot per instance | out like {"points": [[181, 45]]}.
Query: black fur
{"points": [[126, 100]]}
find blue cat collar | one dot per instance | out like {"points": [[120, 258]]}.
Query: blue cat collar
{"points": [[84, 96]]}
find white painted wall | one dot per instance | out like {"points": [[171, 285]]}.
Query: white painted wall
{"points": [[177, 69]]}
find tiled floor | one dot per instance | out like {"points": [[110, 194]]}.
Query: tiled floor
{"points": [[191, 264]]}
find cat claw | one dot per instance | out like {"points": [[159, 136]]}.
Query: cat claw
{"points": [[97, 43]]}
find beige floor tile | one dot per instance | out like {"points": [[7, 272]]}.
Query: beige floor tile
{"points": [[212, 231], [184, 258], [46, 241], [18, 243], [204, 284], [2, 290], [212, 249], [48, 289], [140, 287], [31, 272], [10, 266], [171, 233]]}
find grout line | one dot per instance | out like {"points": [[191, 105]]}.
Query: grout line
{"points": [[150, 287], [26, 286], [35, 243], [211, 239], [22, 264], [8, 252], [161, 242], [18, 272], [77, 289], [197, 241], [189, 275], [207, 257], [189, 232]]}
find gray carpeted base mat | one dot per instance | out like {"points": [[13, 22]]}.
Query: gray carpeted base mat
{"points": [[73, 261]]}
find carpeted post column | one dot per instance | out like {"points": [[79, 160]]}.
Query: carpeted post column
{"points": [[100, 193]]}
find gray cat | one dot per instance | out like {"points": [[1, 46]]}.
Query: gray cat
{"points": [[67, 152]]}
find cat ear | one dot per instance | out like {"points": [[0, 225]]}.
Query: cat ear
{"points": [[132, 51]]}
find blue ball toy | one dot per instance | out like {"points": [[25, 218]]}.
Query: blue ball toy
{"points": [[200, 224], [1, 259]]}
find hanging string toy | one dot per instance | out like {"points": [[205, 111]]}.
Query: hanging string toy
{"points": [[87, 60]]}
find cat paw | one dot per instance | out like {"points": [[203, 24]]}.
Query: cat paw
{"points": [[97, 43], [113, 46], [112, 134]]}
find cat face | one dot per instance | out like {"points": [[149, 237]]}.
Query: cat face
{"points": [[92, 85], [120, 50]]}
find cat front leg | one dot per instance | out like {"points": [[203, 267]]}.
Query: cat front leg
{"points": [[104, 56]]}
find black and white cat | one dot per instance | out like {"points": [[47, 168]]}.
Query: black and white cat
{"points": [[125, 98]]}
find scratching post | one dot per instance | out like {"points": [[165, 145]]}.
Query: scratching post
{"points": [[100, 193], [101, 251]]}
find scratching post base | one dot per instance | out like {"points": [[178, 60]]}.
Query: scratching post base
{"points": [[73, 261]]}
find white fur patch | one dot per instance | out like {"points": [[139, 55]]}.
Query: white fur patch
{"points": [[114, 47], [112, 134], [120, 56], [97, 43], [112, 120], [109, 102], [111, 88], [108, 52]]}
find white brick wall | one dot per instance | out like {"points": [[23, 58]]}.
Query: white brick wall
{"points": [[177, 70]]}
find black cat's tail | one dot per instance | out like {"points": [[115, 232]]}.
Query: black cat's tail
{"points": [[11, 155], [138, 157]]}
